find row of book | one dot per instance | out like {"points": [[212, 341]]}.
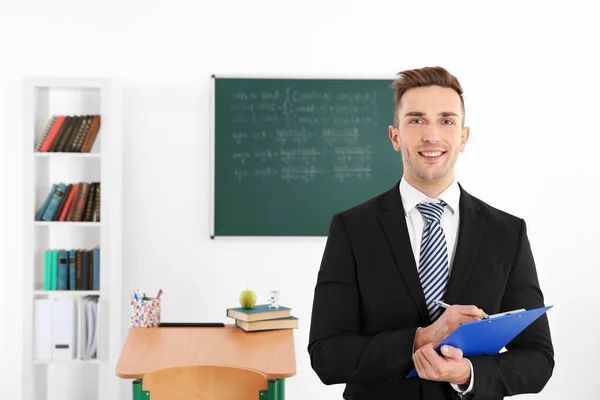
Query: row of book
{"points": [[263, 317], [77, 269], [69, 133], [73, 202], [56, 324]]}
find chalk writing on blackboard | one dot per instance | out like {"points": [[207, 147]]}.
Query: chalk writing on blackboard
{"points": [[303, 122]]}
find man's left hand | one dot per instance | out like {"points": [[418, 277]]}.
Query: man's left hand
{"points": [[448, 367]]}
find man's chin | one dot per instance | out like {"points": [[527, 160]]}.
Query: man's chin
{"points": [[433, 177]]}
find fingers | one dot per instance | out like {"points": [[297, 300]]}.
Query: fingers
{"points": [[429, 356], [431, 366], [422, 364], [457, 315], [453, 353], [470, 311], [419, 365]]}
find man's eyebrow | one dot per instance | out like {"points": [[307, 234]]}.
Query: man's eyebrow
{"points": [[448, 114], [421, 114]]}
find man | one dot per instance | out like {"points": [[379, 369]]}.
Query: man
{"points": [[374, 317]]}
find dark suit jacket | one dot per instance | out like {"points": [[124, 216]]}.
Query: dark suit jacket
{"points": [[368, 302]]}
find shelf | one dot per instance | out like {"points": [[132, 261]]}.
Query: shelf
{"points": [[66, 155], [75, 361], [66, 294], [68, 224], [43, 98]]}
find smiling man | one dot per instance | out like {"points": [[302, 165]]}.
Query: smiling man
{"points": [[389, 259]]}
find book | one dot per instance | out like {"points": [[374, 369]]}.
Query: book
{"points": [[52, 134], [40, 212], [49, 125], [88, 142], [62, 279], [96, 268], [61, 204], [53, 269], [54, 201], [258, 313], [290, 322], [47, 269]]}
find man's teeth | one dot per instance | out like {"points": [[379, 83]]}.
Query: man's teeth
{"points": [[432, 154]]}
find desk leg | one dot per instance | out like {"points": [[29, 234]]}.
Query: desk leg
{"points": [[273, 389], [281, 389], [137, 389], [138, 393]]}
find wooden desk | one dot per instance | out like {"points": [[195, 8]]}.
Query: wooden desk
{"points": [[147, 349]]}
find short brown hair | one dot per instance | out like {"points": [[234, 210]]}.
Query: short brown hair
{"points": [[427, 76]]}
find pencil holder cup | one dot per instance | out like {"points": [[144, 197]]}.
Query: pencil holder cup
{"points": [[145, 313]]}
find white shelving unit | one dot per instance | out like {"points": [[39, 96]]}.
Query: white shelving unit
{"points": [[44, 97]]}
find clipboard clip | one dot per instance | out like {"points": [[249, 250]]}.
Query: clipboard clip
{"points": [[505, 313]]}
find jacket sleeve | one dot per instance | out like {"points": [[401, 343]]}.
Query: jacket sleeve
{"points": [[528, 363], [339, 352]]}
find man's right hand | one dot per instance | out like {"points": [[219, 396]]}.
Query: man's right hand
{"points": [[451, 319]]}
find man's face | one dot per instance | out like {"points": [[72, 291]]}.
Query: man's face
{"points": [[429, 134]]}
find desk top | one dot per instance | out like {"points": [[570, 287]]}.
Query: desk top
{"points": [[147, 349]]}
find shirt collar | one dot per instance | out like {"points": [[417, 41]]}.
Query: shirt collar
{"points": [[411, 196]]}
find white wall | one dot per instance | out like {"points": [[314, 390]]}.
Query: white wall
{"points": [[4, 164], [529, 70]]}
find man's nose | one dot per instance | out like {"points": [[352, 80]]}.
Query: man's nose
{"points": [[432, 134]]}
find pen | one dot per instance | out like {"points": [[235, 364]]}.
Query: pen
{"points": [[444, 305], [441, 304]]}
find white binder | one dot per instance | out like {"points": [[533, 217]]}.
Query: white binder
{"points": [[89, 326], [42, 346], [64, 329]]}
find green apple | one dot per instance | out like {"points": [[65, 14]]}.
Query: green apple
{"points": [[247, 299]]}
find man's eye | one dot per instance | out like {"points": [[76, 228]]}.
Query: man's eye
{"points": [[416, 121], [447, 122]]}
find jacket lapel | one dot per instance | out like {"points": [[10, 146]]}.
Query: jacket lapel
{"points": [[470, 232], [393, 221]]}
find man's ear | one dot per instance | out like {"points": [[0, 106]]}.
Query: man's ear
{"points": [[464, 137], [393, 134]]}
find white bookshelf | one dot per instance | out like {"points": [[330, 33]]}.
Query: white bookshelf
{"points": [[65, 224], [44, 97], [65, 294]]}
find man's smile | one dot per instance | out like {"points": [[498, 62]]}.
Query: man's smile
{"points": [[432, 155]]}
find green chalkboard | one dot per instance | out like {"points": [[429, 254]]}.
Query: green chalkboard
{"points": [[289, 153]]}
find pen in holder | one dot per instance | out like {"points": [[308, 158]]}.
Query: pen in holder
{"points": [[145, 312]]}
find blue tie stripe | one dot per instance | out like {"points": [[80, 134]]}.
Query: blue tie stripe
{"points": [[430, 253], [433, 261], [431, 265], [432, 256], [431, 214], [434, 287]]}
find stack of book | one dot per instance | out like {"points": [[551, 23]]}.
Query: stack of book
{"points": [[69, 134], [75, 202], [75, 269], [263, 318]]}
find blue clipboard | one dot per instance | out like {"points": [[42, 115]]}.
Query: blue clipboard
{"points": [[488, 336]]}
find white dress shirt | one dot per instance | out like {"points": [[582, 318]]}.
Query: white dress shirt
{"points": [[449, 222]]}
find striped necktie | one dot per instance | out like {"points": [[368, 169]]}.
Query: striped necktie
{"points": [[433, 261]]}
